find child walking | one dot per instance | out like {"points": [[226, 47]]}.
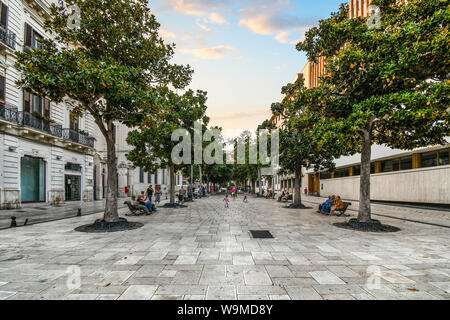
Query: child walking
{"points": [[226, 200], [245, 198]]}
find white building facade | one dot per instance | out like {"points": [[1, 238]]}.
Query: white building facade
{"points": [[46, 156]]}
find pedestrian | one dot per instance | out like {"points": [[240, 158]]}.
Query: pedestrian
{"points": [[149, 192], [245, 198], [158, 195], [226, 200]]}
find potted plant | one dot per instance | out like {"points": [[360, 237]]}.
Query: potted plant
{"points": [[85, 133]]}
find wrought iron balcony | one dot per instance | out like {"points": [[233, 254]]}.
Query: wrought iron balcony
{"points": [[35, 122], [7, 37], [9, 112], [78, 137]]}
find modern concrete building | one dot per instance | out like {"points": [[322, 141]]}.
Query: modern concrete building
{"points": [[421, 175], [45, 155]]}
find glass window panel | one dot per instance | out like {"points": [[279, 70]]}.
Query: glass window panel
{"points": [[396, 164], [444, 157], [386, 166], [406, 163], [325, 175], [357, 170], [428, 159], [372, 167]]}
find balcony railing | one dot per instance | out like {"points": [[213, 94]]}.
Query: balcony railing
{"points": [[32, 121], [7, 37], [78, 137], [9, 112]]}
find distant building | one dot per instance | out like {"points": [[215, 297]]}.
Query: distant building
{"points": [[133, 179]]}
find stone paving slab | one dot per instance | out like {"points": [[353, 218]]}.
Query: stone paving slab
{"points": [[205, 252]]}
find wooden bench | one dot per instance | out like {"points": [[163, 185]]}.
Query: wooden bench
{"points": [[342, 211], [289, 198], [137, 210]]}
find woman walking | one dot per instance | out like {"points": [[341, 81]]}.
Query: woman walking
{"points": [[158, 195]]}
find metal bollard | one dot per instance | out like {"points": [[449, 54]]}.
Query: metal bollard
{"points": [[13, 222], [79, 212]]}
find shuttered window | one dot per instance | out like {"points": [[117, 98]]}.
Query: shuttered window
{"points": [[26, 101], [74, 122], [46, 108], [31, 37], [2, 89], [4, 15]]}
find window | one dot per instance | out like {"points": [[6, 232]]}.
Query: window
{"points": [[428, 159], [340, 173], [406, 163], [141, 175], [444, 157], [386, 166], [372, 167], [33, 103], [395, 164], [357, 170], [149, 178], [156, 176], [74, 122], [2, 89], [4, 15], [31, 38], [114, 132], [325, 175]]}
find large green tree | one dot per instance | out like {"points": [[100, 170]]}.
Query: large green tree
{"points": [[387, 84], [153, 144], [300, 143], [112, 66]]}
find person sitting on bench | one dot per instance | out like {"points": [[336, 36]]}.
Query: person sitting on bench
{"points": [[339, 205], [326, 206], [141, 200]]}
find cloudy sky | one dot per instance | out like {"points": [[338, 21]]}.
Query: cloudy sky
{"points": [[242, 51]]}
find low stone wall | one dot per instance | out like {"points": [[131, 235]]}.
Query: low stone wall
{"points": [[425, 185]]}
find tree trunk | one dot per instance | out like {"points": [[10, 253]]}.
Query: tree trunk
{"points": [[172, 184], [253, 186], [259, 182], [111, 213], [364, 188], [297, 187], [200, 173]]}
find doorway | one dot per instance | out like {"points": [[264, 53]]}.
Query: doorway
{"points": [[32, 179], [73, 187]]}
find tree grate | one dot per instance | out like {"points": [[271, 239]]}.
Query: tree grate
{"points": [[261, 234]]}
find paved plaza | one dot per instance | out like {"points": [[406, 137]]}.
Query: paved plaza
{"points": [[205, 251], [39, 212]]}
